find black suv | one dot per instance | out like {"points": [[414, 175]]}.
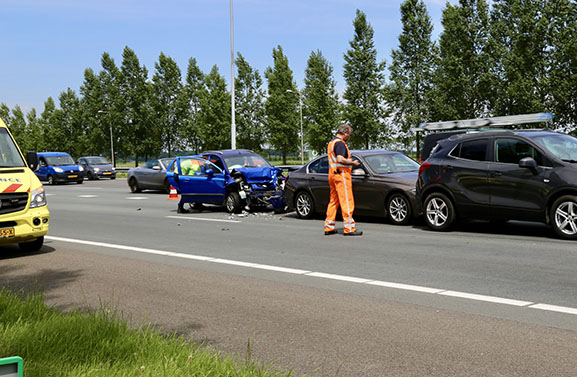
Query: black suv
{"points": [[502, 175]]}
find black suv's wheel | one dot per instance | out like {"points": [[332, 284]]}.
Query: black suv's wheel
{"points": [[133, 184], [439, 212], [32, 246], [399, 209], [304, 205], [232, 202], [564, 217]]}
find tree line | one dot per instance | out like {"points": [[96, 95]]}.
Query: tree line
{"points": [[504, 58]]}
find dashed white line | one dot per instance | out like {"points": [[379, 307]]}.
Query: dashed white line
{"points": [[323, 275], [136, 197], [87, 196]]}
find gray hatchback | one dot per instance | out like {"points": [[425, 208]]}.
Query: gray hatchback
{"points": [[96, 167]]}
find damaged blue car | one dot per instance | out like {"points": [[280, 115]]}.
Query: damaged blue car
{"points": [[237, 179]]}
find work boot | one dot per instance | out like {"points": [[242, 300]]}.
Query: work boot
{"points": [[355, 233], [329, 232]]}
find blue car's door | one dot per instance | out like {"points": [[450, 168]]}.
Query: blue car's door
{"points": [[200, 181]]}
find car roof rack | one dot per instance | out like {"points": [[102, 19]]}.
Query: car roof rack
{"points": [[494, 122]]}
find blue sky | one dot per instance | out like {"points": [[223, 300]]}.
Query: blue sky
{"points": [[47, 44]]}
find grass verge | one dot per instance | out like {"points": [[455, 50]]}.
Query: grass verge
{"points": [[102, 344]]}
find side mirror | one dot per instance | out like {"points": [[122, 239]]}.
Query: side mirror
{"points": [[32, 160], [528, 163], [209, 172], [156, 167], [359, 172]]}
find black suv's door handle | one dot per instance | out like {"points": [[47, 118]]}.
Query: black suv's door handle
{"points": [[496, 174]]}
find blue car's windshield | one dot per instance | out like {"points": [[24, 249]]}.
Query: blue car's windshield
{"points": [[246, 161], [59, 160], [9, 155], [391, 163], [562, 146]]}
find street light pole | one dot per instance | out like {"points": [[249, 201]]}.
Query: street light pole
{"points": [[233, 123]]}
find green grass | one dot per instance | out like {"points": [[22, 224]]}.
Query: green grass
{"points": [[103, 344]]}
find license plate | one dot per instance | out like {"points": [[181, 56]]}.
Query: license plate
{"points": [[106, 173], [7, 232], [72, 176]]}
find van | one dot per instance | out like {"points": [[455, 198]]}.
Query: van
{"points": [[58, 167], [24, 216]]}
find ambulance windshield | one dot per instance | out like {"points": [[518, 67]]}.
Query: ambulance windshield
{"points": [[9, 155]]}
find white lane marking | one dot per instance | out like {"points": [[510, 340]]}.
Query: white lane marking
{"points": [[88, 196], [202, 219], [498, 300], [406, 287], [554, 308], [339, 277], [470, 296], [136, 197]]}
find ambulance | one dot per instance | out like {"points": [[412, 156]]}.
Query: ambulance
{"points": [[24, 216]]}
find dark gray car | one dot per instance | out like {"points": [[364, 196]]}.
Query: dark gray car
{"points": [[151, 176], [96, 167]]}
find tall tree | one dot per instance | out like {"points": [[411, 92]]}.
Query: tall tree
{"points": [[66, 124], [167, 86], [519, 30], [412, 71], [215, 115], [250, 110], [563, 63], [462, 80], [322, 110], [282, 105], [190, 101], [365, 79], [96, 139], [138, 132]]}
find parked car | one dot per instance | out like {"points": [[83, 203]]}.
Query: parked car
{"points": [[151, 176], [96, 167], [236, 179], [383, 185], [58, 167], [500, 176]]}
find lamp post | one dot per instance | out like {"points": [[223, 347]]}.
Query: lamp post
{"points": [[233, 122], [111, 140], [302, 133]]}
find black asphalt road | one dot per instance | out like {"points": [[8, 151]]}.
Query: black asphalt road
{"points": [[399, 301]]}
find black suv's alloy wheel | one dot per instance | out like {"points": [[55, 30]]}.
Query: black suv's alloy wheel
{"points": [[439, 212], [564, 217]]}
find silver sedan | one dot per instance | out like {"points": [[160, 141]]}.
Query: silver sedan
{"points": [[151, 176]]}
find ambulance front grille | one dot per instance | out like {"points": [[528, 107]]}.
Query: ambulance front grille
{"points": [[13, 202]]}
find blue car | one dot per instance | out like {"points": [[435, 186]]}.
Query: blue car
{"points": [[236, 179], [58, 167]]}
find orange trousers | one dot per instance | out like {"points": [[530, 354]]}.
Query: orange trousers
{"points": [[341, 188]]}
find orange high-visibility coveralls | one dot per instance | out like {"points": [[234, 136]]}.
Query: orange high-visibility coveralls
{"points": [[341, 188]]}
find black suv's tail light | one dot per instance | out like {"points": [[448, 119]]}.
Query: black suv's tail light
{"points": [[424, 166]]}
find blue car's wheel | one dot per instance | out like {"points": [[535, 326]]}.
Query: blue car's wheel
{"points": [[232, 202]]}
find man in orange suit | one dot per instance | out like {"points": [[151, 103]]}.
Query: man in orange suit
{"points": [[340, 181]]}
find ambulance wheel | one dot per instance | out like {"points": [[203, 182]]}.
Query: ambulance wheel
{"points": [[232, 202], [32, 246]]}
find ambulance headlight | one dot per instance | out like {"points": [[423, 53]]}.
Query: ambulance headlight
{"points": [[58, 170], [37, 198]]}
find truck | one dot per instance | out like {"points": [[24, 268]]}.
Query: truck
{"points": [[24, 215]]}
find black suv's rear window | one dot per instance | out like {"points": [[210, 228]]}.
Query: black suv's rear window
{"points": [[471, 150]]}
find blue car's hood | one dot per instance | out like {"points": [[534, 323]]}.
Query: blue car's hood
{"points": [[259, 175], [66, 167]]}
